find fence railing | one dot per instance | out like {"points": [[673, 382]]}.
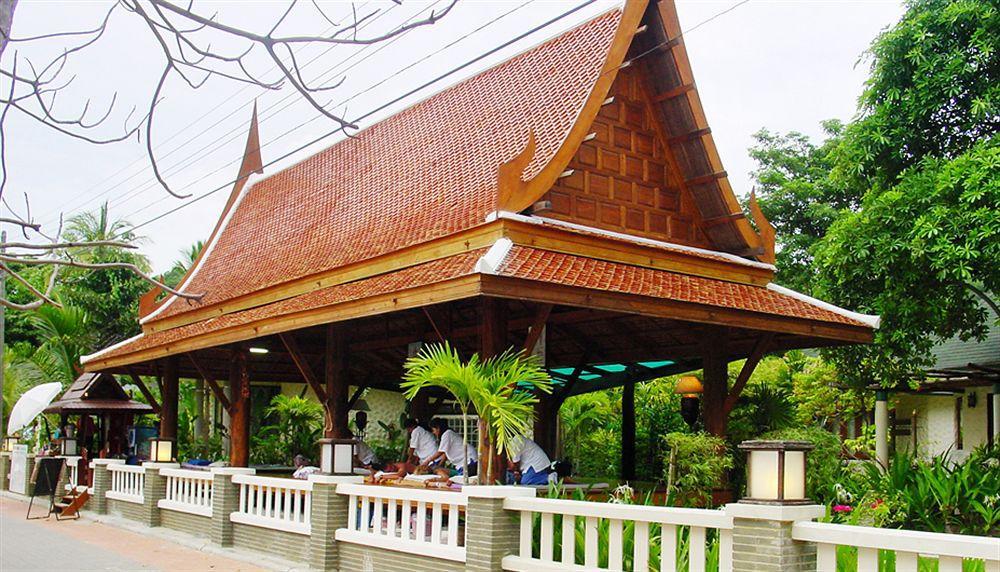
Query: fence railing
{"points": [[270, 502], [651, 531], [187, 491], [127, 483], [909, 546], [416, 521], [73, 468]]}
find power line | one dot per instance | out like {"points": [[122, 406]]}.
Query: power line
{"points": [[243, 89]]}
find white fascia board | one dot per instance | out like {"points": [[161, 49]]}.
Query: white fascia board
{"points": [[99, 353], [867, 319], [542, 221]]}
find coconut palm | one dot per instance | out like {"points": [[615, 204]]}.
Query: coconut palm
{"points": [[500, 389], [188, 257], [66, 335]]}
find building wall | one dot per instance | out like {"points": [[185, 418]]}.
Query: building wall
{"points": [[935, 421]]}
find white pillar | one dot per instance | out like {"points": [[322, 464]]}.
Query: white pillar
{"points": [[996, 413], [882, 428]]}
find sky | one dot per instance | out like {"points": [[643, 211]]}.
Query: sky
{"points": [[780, 64]]}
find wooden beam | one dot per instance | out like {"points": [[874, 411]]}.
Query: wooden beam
{"points": [[336, 381], [288, 339], [357, 395], [169, 395], [239, 417], [706, 178], [145, 391], [628, 432], [675, 92], [759, 349], [696, 134], [537, 327], [716, 221], [715, 374], [437, 330], [210, 380]]}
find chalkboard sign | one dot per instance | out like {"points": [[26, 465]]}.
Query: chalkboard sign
{"points": [[46, 480]]}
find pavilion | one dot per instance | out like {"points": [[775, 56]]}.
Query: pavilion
{"points": [[570, 198]]}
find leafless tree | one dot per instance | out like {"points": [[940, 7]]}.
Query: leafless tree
{"points": [[185, 37]]}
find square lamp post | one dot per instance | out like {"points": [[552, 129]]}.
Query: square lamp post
{"points": [[161, 450], [336, 456], [8, 444], [69, 446], [776, 472]]}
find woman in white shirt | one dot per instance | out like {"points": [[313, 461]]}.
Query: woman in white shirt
{"points": [[423, 444], [451, 450], [530, 464]]}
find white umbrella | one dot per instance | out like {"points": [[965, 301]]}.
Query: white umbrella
{"points": [[33, 402]]}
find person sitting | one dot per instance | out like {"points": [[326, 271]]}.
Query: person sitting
{"points": [[423, 444], [451, 450], [528, 463], [302, 468], [364, 456]]}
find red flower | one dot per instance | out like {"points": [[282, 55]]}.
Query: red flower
{"points": [[841, 508]]}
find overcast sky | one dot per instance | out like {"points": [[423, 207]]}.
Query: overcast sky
{"points": [[784, 65]]}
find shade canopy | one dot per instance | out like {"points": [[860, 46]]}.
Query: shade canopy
{"points": [[31, 404], [97, 393]]}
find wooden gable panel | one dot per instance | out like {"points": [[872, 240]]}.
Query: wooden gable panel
{"points": [[623, 178]]}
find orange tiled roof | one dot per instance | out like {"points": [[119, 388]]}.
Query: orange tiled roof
{"points": [[582, 272], [426, 172]]}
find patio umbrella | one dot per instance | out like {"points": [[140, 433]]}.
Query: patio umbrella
{"points": [[31, 404]]}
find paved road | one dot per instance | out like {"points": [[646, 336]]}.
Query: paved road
{"points": [[87, 545]]}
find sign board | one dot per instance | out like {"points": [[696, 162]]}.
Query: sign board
{"points": [[19, 469]]}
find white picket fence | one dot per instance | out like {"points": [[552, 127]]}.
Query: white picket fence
{"points": [[276, 503], [127, 483], [187, 491], [645, 518], [416, 521], [73, 468], [948, 549]]}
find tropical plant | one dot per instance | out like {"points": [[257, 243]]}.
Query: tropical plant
{"points": [[298, 426], [66, 335], [696, 465], [501, 390]]}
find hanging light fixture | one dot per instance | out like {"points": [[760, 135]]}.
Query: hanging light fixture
{"points": [[690, 389]]}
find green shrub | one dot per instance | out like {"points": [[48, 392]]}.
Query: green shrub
{"points": [[823, 465], [695, 465]]}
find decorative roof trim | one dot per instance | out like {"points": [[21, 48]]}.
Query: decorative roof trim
{"points": [[490, 262], [868, 319], [99, 353], [542, 221], [252, 179]]}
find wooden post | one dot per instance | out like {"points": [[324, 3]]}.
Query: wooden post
{"points": [[168, 398], [239, 415], [335, 377], [628, 431], [716, 380], [547, 423], [492, 341]]}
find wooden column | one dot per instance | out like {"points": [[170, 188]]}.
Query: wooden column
{"points": [[716, 380], [239, 415], [628, 431], [492, 341], [168, 399], [547, 423], [335, 378]]}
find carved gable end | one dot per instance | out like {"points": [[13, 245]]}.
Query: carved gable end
{"points": [[623, 178]]}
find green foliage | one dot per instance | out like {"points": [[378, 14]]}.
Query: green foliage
{"points": [[933, 91], [587, 432], [934, 495], [66, 335], [696, 465], [821, 396], [501, 389], [918, 253], [298, 426], [823, 465], [798, 195], [189, 255]]}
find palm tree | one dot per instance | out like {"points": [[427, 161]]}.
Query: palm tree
{"points": [[500, 389], [188, 257], [66, 335]]}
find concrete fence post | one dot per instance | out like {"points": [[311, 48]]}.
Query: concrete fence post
{"points": [[154, 488], [491, 531], [4, 471], [102, 483], [225, 498], [762, 537], [329, 512]]}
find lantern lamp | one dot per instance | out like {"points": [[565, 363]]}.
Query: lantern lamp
{"points": [[776, 472], [689, 387], [336, 456], [161, 450], [69, 446]]}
